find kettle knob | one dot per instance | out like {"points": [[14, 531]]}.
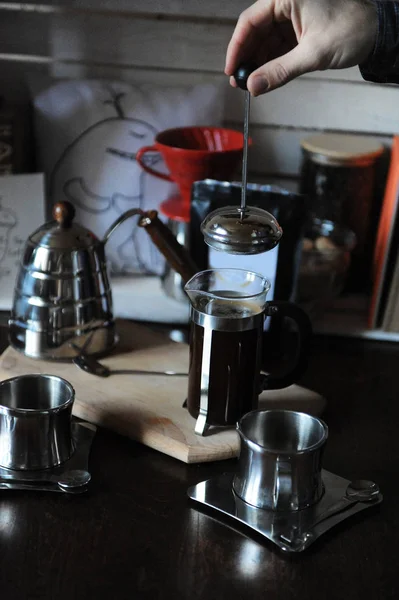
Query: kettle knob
{"points": [[63, 213]]}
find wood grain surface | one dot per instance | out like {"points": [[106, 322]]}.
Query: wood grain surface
{"points": [[149, 408]]}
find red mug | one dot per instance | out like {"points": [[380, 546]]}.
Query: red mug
{"points": [[195, 153]]}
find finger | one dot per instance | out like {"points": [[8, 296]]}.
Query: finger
{"points": [[253, 21], [304, 58], [233, 82]]}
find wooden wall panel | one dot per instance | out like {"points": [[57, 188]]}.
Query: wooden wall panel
{"points": [[303, 103], [14, 78], [205, 47], [216, 9], [186, 45], [24, 34], [141, 42], [183, 42]]}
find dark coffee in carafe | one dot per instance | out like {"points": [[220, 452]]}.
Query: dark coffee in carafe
{"points": [[232, 385]]}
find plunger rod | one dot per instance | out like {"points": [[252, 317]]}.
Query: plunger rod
{"points": [[245, 153]]}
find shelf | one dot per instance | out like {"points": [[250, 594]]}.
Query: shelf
{"points": [[142, 299], [347, 316]]}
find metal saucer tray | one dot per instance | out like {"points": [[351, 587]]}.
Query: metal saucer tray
{"points": [[72, 476], [290, 531]]}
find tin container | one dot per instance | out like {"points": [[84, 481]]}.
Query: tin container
{"points": [[338, 174]]}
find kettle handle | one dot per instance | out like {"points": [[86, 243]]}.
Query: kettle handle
{"points": [[175, 254]]}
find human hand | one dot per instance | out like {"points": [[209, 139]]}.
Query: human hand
{"points": [[292, 37]]}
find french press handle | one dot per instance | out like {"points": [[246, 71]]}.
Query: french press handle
{"points": [[295, 357]]}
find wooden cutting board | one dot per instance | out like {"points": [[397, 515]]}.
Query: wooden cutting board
{"points": [[149, 409]]}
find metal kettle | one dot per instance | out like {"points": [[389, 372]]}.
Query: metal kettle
{"points": [[62, 298]]}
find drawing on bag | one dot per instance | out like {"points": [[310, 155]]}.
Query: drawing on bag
{"points": [[110, 183], [8, 220]]}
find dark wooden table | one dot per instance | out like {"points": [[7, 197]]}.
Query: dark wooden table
{"points": [[135, 535]]}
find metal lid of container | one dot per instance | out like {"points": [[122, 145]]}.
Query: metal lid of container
{"points": [[339, 149], [63, 233]]}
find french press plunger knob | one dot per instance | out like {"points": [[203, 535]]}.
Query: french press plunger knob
{"points": [[242, 73]]}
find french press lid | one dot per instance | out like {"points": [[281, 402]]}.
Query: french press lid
{"points": [[63, 232], [234, 231]]}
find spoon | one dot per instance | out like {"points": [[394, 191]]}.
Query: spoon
{"points": [[75, 478], [68, 481], [359, 490], [94, 367]]}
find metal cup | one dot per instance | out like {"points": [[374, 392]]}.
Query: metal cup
{"points": [[35, 422], [279, 466]]}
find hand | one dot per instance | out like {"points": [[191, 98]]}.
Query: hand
{"points": [[292, 37]]}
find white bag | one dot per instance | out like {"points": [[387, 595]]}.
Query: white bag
{"points": [[87, 134]]}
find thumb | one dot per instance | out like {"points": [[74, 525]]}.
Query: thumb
{"points": [[283, 69]]}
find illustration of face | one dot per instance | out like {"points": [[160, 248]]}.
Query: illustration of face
{"points": [[100, 164], [98, 173]]}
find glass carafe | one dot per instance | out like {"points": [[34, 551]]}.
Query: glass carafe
{"points": [[228, 310]]}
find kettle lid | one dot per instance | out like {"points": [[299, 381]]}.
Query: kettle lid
{"points": [[62, 232]]}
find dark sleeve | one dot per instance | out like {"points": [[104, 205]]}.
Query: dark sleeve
{"points": [[382, 66]]}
